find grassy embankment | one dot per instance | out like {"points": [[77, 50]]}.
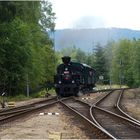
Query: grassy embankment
{"points": [[21, 97]]}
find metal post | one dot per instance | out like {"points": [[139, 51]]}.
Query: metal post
{"points": [[27, 82], [54, 48], [110, 82], [120, 73], [3, 100]]}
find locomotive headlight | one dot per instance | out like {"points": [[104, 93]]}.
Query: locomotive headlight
{"points": [[59, 82], [73, 81]]}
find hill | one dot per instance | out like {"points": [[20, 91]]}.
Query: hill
{"points": [[87, 38]]}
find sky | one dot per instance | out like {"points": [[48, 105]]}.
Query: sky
{"points": [[97, 13]]}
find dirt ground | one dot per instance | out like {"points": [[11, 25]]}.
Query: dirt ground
{"points": [[131, 102], [44, 126], [29, 101], [92, 98]]}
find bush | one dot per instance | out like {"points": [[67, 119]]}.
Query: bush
{"points": [[19, 97]]}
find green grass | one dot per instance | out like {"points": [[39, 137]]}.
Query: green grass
{"points": [[19, 97], [22, 97], [42, 93]]}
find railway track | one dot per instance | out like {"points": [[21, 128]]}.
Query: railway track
{"points": [[79, 106], [120, 107], [82, 111], [107, 114], [112, 102], [120, 127], [19, 112], [103, 120], [28, 105], [92, 130]]}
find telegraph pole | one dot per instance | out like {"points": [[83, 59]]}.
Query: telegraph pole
{"points": [[120, 75], [27, 86], [110, 80], [54, 48], [52, 31]]}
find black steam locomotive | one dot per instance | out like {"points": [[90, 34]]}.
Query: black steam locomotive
{"points": [[73, 77]]}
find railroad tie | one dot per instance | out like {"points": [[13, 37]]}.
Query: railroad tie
{"points": [[48, 113]]}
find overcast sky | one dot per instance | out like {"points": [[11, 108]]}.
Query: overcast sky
{"points": [[97, 13]]}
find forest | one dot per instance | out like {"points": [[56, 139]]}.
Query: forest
{"points": [[118, 62], [27, 55], [26, 50]]}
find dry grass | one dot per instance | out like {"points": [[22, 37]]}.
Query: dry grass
{"points": [[131, 102]]}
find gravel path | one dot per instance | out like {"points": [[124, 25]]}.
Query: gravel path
{"points": [[39, 126], [131, 102], [45, 127], [92, 98], [25, 102]]}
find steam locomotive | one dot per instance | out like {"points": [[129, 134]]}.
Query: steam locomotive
{"points": [[72, 77]]}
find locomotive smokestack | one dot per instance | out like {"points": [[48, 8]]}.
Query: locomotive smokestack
{"points": [[66, 59]]}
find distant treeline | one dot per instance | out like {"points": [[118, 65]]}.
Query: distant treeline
{"points": [[118, 62]]}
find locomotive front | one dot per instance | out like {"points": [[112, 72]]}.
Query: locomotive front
{"points": [[65, 83]]}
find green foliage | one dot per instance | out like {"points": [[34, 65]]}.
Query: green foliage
{"points": [[47, 16], [19, 97], [124, 65], [76, 54], [25, 47], [96, 59], [135, 62], [118, 62], [36, 95], [100, 62], [27, 55], [69, 51], [80, 56], [7, 11]]}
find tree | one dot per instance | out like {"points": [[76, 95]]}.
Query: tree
{"points": [[47, 17], [121, 62], [135, 63], [25, 46], [108, 52], [80, 56], [100, 62]]}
